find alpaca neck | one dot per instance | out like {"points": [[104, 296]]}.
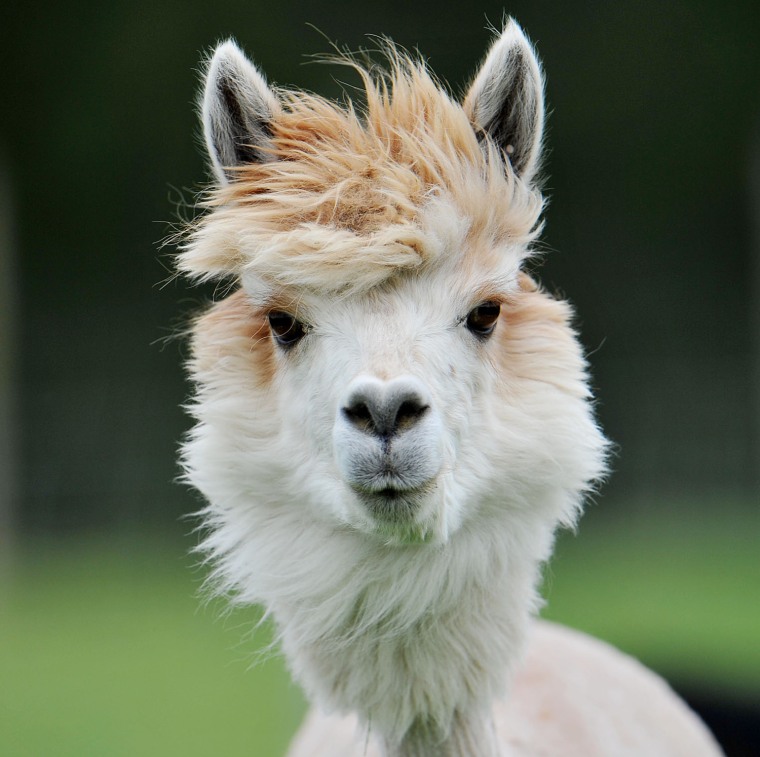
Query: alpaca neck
{"points": [[421, 655], [473, 736]]}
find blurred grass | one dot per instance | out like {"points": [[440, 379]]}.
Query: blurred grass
{"points": [[105, 648], [677, 587]]}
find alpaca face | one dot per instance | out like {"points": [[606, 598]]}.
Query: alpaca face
{"points": [[385, 395], [404, 410]]}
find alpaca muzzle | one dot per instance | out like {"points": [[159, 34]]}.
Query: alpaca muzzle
{"points": [[387, 438]]}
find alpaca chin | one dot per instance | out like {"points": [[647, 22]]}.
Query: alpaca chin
{"points": [[401, 517]]}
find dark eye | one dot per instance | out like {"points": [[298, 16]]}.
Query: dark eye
{"points": [[482, 319], [286, 329]]}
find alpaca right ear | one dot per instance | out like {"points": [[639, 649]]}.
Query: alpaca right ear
{"points": [[238, 108], [505, 102]]}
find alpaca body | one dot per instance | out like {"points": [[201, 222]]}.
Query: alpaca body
{"points": [[572, 696], [392, 417]]}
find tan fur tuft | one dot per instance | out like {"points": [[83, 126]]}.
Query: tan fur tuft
{"points": [[537, 342], [232, 331]]}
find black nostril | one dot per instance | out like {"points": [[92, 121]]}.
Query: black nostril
{"points": [[359, 415], [408, 414], [384, 415]]}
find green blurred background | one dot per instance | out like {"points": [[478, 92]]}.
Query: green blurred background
{"points": [[653, 232]]}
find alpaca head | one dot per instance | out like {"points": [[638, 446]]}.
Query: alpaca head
{"points": [[386, 379], [396, 372]]}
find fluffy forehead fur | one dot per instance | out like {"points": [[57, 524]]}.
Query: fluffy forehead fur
{"points": [[337, 203]]}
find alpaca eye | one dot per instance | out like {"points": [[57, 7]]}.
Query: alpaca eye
{"points": [[481, 320], [286, 329]]}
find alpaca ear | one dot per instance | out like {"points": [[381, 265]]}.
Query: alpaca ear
{"points": [[505, 102], [237, 110]]}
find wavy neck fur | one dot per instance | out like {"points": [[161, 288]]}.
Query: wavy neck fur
{"points": [[469, 737], [421, 669]]}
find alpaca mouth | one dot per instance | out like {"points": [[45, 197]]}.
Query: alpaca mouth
{"points": [[394, 504], [390, 493], [391, 505]]}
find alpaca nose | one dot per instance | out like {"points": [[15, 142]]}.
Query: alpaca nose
{"points": [[385, 408]]}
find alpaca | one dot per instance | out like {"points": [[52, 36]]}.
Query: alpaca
{"points": [[393, 418]]}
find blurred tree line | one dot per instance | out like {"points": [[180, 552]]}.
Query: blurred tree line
{"points": [[652, 229]]}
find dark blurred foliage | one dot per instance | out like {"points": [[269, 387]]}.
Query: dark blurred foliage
{"points": [[655, 122]]}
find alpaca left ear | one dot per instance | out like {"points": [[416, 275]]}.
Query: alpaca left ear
{"points": [[505, 102], [237, 110]]}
